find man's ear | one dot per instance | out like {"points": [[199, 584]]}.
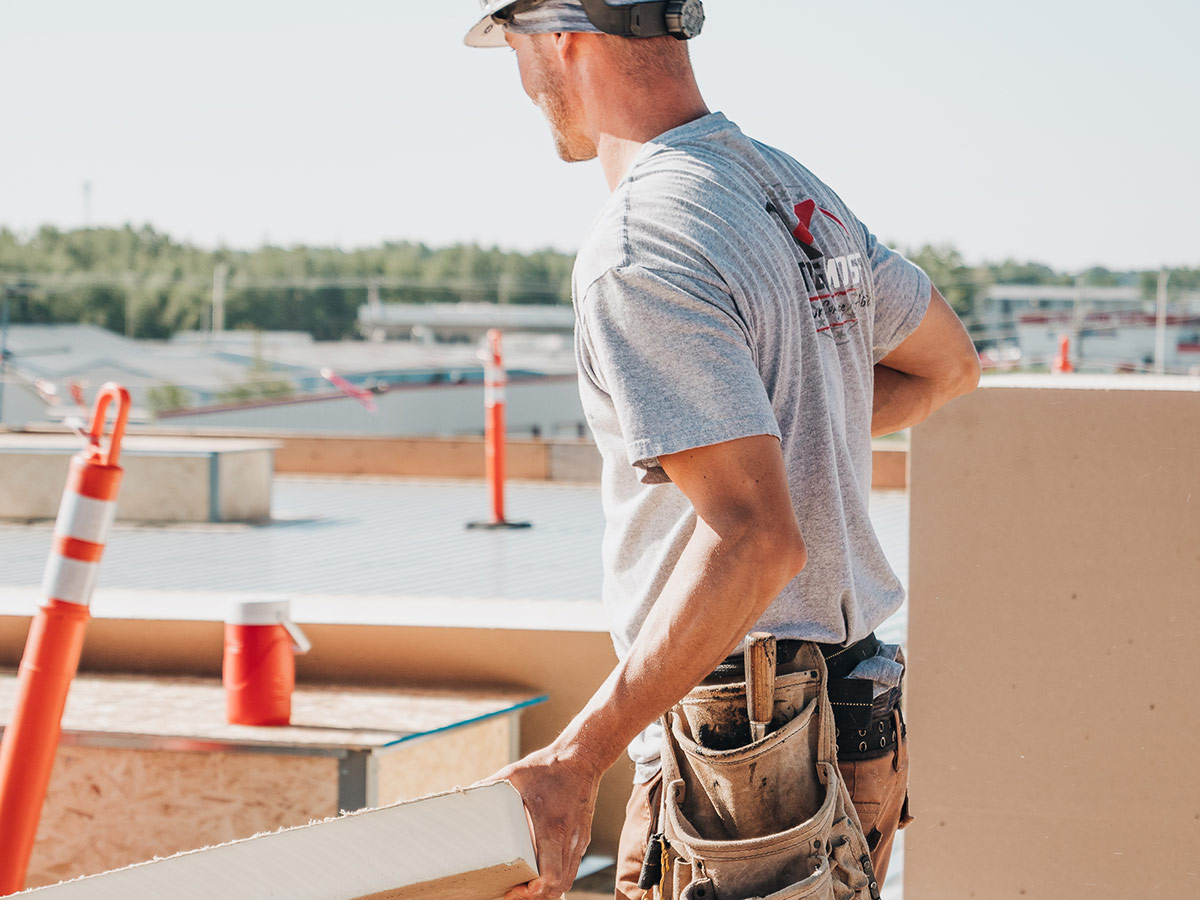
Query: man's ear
{"points": [[566, 44]]}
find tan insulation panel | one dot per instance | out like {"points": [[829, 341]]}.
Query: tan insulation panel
{"points": [[419, 457], [1052, 693]]}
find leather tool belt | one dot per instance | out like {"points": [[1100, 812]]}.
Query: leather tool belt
{"points": [[768, 818]]}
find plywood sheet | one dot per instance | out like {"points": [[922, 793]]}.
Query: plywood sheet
{"points": [[108, 808], [464, 845], [163, 711], [445, 762]]}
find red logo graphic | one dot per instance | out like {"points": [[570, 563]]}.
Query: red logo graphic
{"points": [[804, 212]]}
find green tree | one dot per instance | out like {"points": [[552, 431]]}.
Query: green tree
{"points": [[960, 284], [166, 397], [259, 385], [1179, 281], [1013, 272]]}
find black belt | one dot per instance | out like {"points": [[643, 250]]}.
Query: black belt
{"points": [[839, 660], [877, 739]]}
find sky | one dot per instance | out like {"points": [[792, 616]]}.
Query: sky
{"points": [[1061, 131]]}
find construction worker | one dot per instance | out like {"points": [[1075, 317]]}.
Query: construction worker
{"points": [[741, 336]]}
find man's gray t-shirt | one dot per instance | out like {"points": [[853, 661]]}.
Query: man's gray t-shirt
{"points": [[725, 292]]}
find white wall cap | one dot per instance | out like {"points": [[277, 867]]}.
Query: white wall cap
{"points": [[1091, 382], [252, 611]]}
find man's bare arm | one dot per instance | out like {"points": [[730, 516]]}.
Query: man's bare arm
{"points": [[932, 366], [746, 547]]}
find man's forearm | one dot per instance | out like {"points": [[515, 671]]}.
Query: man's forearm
{"points": [[932, 366], [744, 549], [901, 400]]}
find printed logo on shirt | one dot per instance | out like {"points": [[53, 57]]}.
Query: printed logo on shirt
{"points": [[837, 292], [804, 212]]}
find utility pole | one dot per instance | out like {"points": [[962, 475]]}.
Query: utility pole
{"points": [[1079, 314], [1160, 325], [220, 274], [130, 281], [4, 295]]}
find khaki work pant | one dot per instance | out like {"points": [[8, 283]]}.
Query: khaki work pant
{"points": [[878, 787]]}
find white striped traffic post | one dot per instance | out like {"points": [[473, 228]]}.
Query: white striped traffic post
{"points": [[55, 641], [495, 384]]}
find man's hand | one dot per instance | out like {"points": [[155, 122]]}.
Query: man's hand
{"points": [[559, 791], [932, 366]]}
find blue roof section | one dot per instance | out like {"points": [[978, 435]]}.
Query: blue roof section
{"points": [[373, 550]]}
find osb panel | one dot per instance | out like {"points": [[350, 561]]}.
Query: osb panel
{"points": [[322, 716], [108, 808], [442, 762], [482, 884]]}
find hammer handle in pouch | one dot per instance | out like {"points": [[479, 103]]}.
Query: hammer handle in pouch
{"points": [[760, 682]]}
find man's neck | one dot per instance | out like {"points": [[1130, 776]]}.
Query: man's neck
{"points": [[622, 128]]}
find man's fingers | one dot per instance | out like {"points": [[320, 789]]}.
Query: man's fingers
{"points": [[535, 890]]}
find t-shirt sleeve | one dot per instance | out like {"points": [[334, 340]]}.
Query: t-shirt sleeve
{"points": [[673, 355], [902, 292]]}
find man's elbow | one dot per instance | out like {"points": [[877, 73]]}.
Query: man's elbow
{"points": [[797, 559], [966, 374], [780, 551]]}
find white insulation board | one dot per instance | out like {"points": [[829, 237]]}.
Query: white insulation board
{"points": [[465, 845]]}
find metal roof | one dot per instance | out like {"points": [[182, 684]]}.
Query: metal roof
{"points": [[374, 551]]}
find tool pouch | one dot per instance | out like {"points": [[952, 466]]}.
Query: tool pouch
{"points": [[771, 818]]}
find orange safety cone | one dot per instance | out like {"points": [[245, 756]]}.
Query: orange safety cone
{"points": [[55, 640], [1062, 362], [495, 381]]}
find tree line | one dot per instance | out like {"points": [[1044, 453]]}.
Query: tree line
{"points": [[142, 283]]}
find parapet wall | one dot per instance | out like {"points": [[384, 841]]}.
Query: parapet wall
{"points": [[552, 459], [1052, 695]]}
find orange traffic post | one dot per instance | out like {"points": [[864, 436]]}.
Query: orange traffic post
{"points": [[495, 381], [1062, 362], [55, 641]]}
